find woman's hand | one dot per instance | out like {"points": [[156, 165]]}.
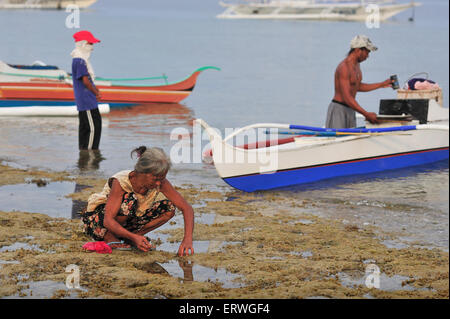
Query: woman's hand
{"points": [[141, 243], [185, 247]]}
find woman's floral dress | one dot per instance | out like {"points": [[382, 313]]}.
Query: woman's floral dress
{"points": [[139, 209]]}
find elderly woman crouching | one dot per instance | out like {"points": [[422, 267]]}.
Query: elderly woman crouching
{"points": [[126, 208]]}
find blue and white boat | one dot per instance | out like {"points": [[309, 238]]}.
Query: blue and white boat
{"points": [[316, 153], [338, 10]]}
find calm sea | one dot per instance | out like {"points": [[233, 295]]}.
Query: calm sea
{"points": [[271, 71]]}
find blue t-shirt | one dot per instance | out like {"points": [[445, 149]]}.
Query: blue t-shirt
{"points": [[85, 99]]}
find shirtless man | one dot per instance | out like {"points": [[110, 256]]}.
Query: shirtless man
{"points": [[347, 82]]}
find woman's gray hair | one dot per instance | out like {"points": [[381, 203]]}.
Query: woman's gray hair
{"points": [[151, 160]]}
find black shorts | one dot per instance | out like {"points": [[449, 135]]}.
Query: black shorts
{"points": [[89, 129]]}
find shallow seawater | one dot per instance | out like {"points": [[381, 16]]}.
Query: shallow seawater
{"points": [[384, 282], [200, 246], [411, 202], [161, 240], [46, 289], [188, 271], [49, 199]]}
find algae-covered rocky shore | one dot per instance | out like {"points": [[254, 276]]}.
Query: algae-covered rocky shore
{"points": [[247, 246]]}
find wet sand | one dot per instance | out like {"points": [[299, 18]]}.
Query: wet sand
{"points": [[260, 245]]}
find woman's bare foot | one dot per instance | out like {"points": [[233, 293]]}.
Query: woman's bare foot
{"points": [[115, 242]]}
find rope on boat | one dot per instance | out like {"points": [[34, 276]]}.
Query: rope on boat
{"points": [[132, 79], [68, 76], [62, 77]]}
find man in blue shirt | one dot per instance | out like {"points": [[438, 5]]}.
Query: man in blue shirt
{"points": [[85, 91]]}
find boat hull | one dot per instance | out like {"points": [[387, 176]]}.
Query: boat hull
{"points": [[44, 92], [292, 11], [304, 175], [34, 94]]}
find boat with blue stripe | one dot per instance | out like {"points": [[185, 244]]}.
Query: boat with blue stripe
{"points": [[314, 154]]}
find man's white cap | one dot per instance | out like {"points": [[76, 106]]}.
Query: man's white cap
{"points": [[362, 41]]}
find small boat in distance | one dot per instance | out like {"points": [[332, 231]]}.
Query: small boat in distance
{"points": [[46, 85], [341, 10], [44, 4]]}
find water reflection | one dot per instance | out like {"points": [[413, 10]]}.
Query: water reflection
{"points": [[78, 205], [178, 110], [186, 266], [187, 271], [144, 118], [89, 160], [156, 268]]}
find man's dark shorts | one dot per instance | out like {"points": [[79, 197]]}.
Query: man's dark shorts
{"points": [[340, 115]]}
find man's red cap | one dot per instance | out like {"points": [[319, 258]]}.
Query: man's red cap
{"points": [[85, 35]]}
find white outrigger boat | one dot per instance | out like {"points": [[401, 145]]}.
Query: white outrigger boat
{"points": [[313, 154], [346, 10], [44, 4]]}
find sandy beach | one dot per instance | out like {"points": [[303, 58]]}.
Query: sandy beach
{"points": [[255, 245]]}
